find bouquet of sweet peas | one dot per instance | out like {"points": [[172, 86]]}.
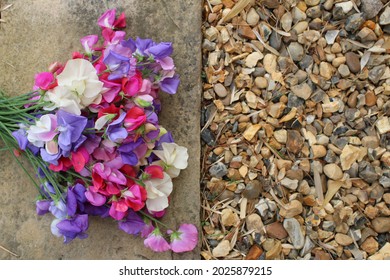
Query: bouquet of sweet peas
{"points": [[90, 128]]}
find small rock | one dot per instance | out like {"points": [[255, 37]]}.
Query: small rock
{"points": [[371, 212], [348, 156], [344, 70], [371, 8], [368, 174], [303, 91], [245, 31], [298, 15], [276, 110], [376, 73], [296, 51], [381, 224], [253, 17], [229, 218], [353, 22], [222, 249], [253, 190], [333, 171], [326, 70], [312, 2], [345, 6], [251, 131], [286, 21], [370, 98], [218, 170], [383, 125], [386, 198], [353, 62], [370, 245], [384, 181], [384, 19], [294, 141], [262, 207], [252, 59], [261, 82], [291, 209], [276, 230], [343, 239], [309, 245], [254, 223], [290, 184], [275, 251], [314, 12], [294, 231], [281, 136], [366, 35], [331, 36], [319, 151], [254, 253], [275, 40], [220, 90], [211, 33]]}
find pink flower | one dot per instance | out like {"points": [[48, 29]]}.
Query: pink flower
{"points": [[107, 19], [88, 42], [146, 230], [184, 239], [118, 210], [135, 117], [156, 242], [131, 86], [135, 197], [95, 198], [44, 81]]}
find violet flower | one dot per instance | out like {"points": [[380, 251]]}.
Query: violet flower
{"points": [[21, 137], [115, 130], [133, 223], [42, 206], [118, 65], [161, 50], [74, 227], [71, 128], [170, 85]]}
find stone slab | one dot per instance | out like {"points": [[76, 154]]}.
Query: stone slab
{"points": [[38, 32]]}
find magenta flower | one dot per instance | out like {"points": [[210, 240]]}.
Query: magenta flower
{"points": [[107, 19], [184, 239], [43, 80], [156, 242], [88, 42]]}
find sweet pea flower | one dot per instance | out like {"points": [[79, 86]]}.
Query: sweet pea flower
{"points": [[107, 20], [173, 158], [161, 50], [73, 227], [132, 224], [184, 239], [119, 66], [78, 87], [44, 130], [170, 84], [135, 117], [158, 191], [42, 206], [135, 197], [156, 241], [131, 86], [88, 42], [44, 80]]}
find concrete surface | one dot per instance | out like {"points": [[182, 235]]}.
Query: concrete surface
{"points": [[38, 32]]}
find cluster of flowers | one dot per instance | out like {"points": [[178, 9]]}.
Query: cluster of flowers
{"points": [[98, 132]]}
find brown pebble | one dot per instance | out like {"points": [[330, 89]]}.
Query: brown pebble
{"points": [[381, 224], [276, 230], [370, 98], [254, 253], [294, 141], [353, 62], [370, 245]]}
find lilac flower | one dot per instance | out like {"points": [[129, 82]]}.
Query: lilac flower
{"points": [[184, 239], [129, 151], [88, 42], [21, 136], [119, 66], [161, 50], [115, 130], [133, 223], [156, 241], [42, 206], [58, 209], [74, 227], [170, 85], [143, 45], [71, 127]]}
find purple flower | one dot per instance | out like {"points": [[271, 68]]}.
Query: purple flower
{"points": [[115, 130], [130, 43], [71, 127], [147, 229], [107, 19], [133, 223], [170, 85], [88, 42], [21, 136], [184, 239], [161, 50], [75, 198], [42, 206], [118, 65], [127, 152], [101, 211], [156, 242], [74, 227], [58, 209], [143, 45]]}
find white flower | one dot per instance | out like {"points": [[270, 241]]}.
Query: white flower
{"points": [[158, 191], [78, 87], [44, 130], [175, 158]]}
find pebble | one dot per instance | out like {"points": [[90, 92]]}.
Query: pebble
{"points": [[353, 22], [353, 62], [326, 70], [286, 21], [220, 90], [371, 8], [290, 184], [218, 170], [333, 171], [294, 231], [381, 224], [303, 91], [253, 190], [296, 51], [344, 70], [253, 17], [384, 19], [254, 223], [254, 253], [343, 239], [294, 141], [383, 125], [252, 59], [276, 230], [291, 209], [222, 249], [370, 245], [261, 82], [229, 218]]}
